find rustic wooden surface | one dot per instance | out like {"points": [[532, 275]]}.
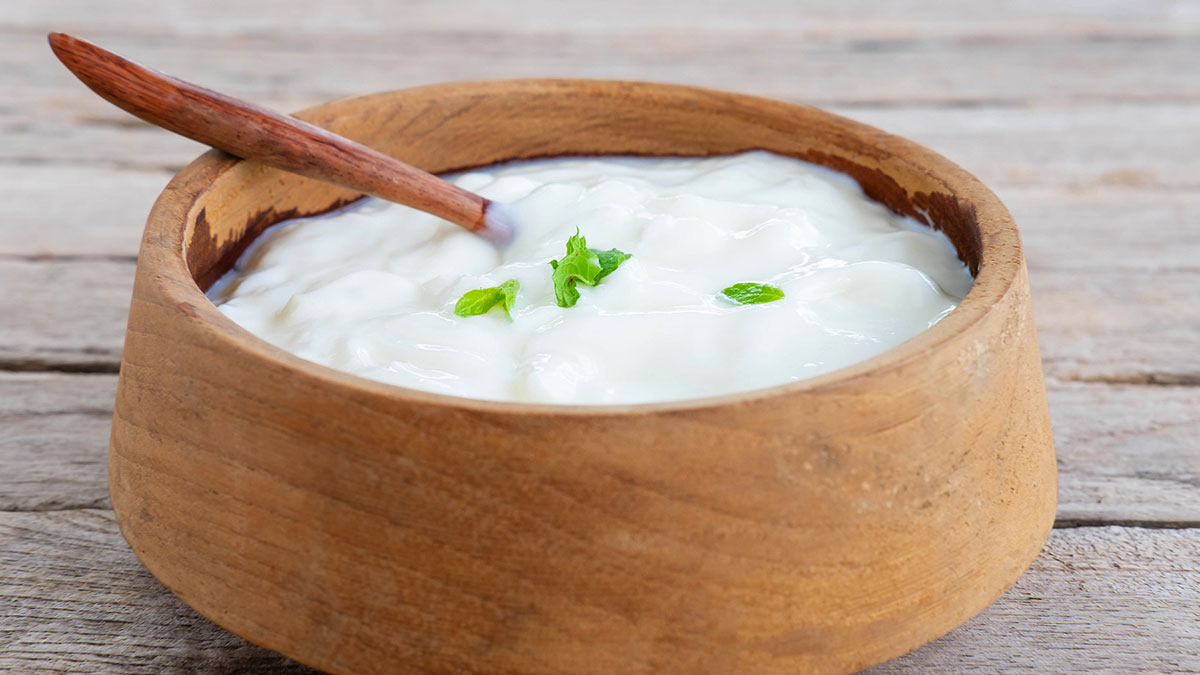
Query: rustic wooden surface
{"points": [[1084, 117]]}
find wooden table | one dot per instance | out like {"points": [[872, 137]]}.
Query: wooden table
{"points": [[1084, 118]]}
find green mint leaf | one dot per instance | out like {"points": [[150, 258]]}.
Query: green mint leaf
{"points": [[565, 293], [750, 293], [482, 300], [609, 260], [510, 289], [582, 265]]}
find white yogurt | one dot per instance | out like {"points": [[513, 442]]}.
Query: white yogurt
{"points": [[371, 290]]}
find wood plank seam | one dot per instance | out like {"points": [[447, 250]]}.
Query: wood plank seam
{"points": [[41, 365]]}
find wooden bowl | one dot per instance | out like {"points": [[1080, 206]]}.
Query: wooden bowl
{"points": [[816, 527]]}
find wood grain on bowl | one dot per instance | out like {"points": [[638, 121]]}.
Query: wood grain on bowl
{"points": [[817, 527]]}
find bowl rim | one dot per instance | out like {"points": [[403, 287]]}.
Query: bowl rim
{"points": [[1001, 261]]}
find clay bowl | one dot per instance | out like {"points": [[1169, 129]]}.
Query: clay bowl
{"points": [[817, 527]]}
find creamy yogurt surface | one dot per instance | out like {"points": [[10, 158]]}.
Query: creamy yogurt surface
{"points": [[371, 290]]}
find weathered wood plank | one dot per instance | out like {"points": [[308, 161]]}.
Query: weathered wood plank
{"points": [[1082, 149], [808, 20], [54, 439], [1098, 600], [74, 598], [1146, 499], [1106, 229], [989, 71], [1086, 149], [64, 314], [103, 216], [1118, 325], [1127, 453]]}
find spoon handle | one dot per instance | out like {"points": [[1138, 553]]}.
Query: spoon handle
{"points": [[251, 132]]}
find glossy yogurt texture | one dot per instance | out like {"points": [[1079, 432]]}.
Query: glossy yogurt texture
{"points": [[371, 290]]}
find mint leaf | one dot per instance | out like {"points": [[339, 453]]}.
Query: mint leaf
{"points": [[750, 293], [510, 289], [609, 260], [482, 300], [565, 293], [582, 265]]}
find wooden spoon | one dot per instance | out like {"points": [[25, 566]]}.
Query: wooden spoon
{"points": [[284, 142]]}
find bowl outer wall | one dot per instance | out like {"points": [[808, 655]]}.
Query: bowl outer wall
{"points": [[818, 527]]}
